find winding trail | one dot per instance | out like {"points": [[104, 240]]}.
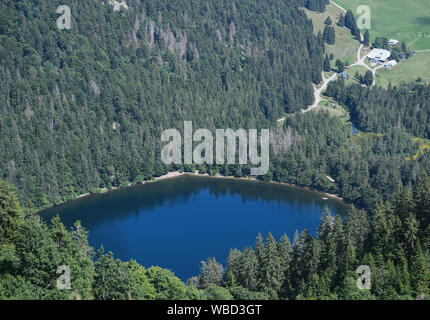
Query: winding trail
{"points": [[326, 81], [317, 93], [411, 43], [335, 4], [360, 62]]}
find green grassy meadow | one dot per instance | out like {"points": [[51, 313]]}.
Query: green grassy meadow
{"points": [[406, 71], [404, 20], [346, 47]]}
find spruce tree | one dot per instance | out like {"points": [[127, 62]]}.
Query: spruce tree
{"points": [[368, 78], [341, 22], [11, 215], [340, 66], [366, 40], [329, 35], [327, 66], [379, 231], [419, 272], [284, 252], [271, 273], [422, 203]]}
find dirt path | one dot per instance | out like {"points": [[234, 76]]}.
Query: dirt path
{"points": [[335, 4], [411, 43], [317, 91]]}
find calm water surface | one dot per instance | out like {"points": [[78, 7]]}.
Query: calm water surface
{"points": [[177, 223]]}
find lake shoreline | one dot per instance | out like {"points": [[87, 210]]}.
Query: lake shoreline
{"points": [[176, 174], [186, 217]]}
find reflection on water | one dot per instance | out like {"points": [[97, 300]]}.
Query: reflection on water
{"points": [[176, 223]]}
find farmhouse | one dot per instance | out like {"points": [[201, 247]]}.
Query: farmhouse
{"points": [[379, 55], [393, 42]]}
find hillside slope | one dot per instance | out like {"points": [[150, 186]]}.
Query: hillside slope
{"points": [[85, 107]]}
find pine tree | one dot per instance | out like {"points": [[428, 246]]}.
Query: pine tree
{"points": [[110, 280], [340, 66], [357, 34], [250, 271], [419, 272], [272, 275], [422, 204], [11, 215], [411, 234], [329, 35], [392, 282], [404, 202], [327, 66], [327, 242], [341, 22], [403, 275], [366, 40], [379, 231], [212, 272], [284, 252], [350, 20], [368, 78]]}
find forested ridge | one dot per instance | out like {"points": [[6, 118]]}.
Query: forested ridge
{"points": [[84, 108], [366, 168], [379, 110]]}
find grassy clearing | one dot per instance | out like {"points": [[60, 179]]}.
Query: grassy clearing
{"points": [[361, 138], [424, 147], [404, 20], [346, 47], [351, 71], [333, 108], [406, 71]]}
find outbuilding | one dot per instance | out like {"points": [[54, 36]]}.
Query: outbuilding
{"points": [[393, 42], [344, 75], [391, 63]]}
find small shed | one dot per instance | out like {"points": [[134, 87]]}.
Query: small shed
{"points": [[393, 42], [344, 75], [391, 63]]}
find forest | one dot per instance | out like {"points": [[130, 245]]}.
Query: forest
{"points": [[84, 108]]}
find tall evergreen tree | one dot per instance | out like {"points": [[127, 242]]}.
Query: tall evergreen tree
{"points": [[328, 21], [271, 271], [419, 272], [329, 35], [327, 66], [366, 36]]}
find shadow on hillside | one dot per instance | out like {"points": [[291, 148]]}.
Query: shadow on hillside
{"points": [[423, 20]]}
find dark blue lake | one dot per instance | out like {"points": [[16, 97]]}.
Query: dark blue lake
{"points": [[176, 223]]}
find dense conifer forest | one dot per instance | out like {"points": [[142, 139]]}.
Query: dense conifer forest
{"points": [[393, 242], [367, 168], [84, 108]]}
